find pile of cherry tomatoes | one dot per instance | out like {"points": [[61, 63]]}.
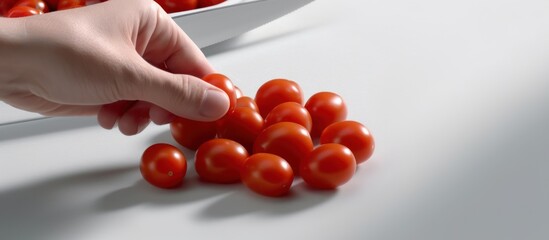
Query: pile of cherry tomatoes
{"points": [[23, 8], [266, 141]]}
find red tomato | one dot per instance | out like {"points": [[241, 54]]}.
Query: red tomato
{"points": [[171, 6], [247, 102], [267, 174], [242, 125], [328, 166], [220, 160], [69, 4], [207, 3], [163, 165], [289, 112], [39, 5], [275, 92], [5, 6], [325, 108], [238, 92], [225, 84], [288, 140], [353, 135], [22, 11], [52, 4], [191, 134]]}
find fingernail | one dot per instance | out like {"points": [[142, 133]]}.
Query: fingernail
{"points": [[215, 104]]}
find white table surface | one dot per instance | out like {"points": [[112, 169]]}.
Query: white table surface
{"points": [[455, 92]]}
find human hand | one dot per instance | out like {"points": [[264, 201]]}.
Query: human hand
{"points": [[106, 59]]}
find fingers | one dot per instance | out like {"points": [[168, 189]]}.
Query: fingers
{"points": [[160, 116], [132, 116], [169, 44], [110, 113], [135, 119], [183, 95]]}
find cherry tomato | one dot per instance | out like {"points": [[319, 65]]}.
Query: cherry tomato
{"points": [[277, 91], [353, 135], [5, 6], [207, 3], [289, 112], [325, 108], [69, 4], [328, 166], [191, 134], [247, 102], [163, 165], [171, 6], [52, 4], [242, 125], [238, 92], [22, 11], [220, 160], [225, 84], [39, 5], [267, 174], [288, 140]]}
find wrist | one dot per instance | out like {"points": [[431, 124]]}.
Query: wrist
{"points": [[12, 38]]}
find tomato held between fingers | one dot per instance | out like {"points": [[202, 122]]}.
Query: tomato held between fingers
{"points": [[190, 133], [288, 140], [289, 112], [171, 6], [163, 165], [243, 125], [353, 135], [220, 160], [277, 91], [325, 108], [22, 11], [224, 83], [5, 6], [52, 4], [69, 4], [328, 166], [267, 174], [39, 5]]}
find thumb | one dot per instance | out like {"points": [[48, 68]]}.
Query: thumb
{"points": [[183, 95]]}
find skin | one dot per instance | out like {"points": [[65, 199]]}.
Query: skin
{"points": [[106, 60]]}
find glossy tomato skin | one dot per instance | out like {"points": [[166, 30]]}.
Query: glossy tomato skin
{"points": [[171, 6], [243, 125], [22, 11], [69, 4], [52, 4], [220, 160], [277, 91], [328, 166], [246, 102], [163, 165], [289, 112], [5, 6], [39, 5], [288, 140], [238, 92], [267, 174], [353, 135], [224, 83], [325, 108], [207, 3], [190, 133]]}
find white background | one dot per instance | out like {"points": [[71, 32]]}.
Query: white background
{"points": [[455, 92]]}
